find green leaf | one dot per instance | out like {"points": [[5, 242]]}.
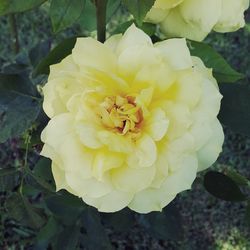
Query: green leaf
{"points": [[18, 105], [8, 171], [222, 187], [87, 19], [237, 178], [47, 233], [222, 71], [38, 182], [165, 225], [17, 113], [13, 6], [55, 56], [235, 106], [17, 83], [148, 28], [64, 13], [247, 216], [37, 53], [96, 237], [64, 204], [9, 178], [42, 176], [120, 221], [139, 8], [19, 208], [68, 238]]}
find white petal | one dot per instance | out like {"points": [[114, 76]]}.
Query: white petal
{"points": [[106, 160], [90, 187], [88, 134], [154, 199], [232, 16], [113, 41], [133, 37], [176, 53], [209, 153], [134, 58], [56, 130], [112, 202], [90, 53], [65, 67], [157, 125], [132, 180], [144, 154]]}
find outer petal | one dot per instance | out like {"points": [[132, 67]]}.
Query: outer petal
{"points": [[132, 180], [56, 130], [208, 154], [189, 86], [59, 177], [154, 199], [113, 41], [91, 187], [232, 16], [112, 202], [192, 19], [159, 76], [133, 37], [156, 15], [90, 53], [134, 58], [176, 53], [66, 66]]}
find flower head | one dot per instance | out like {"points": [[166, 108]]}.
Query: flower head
{"points": [[131, 121], [195, 19]]}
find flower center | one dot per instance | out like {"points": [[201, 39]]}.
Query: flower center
{"points": [[122, 114]]}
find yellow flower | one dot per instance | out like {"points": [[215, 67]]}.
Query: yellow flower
{"points": [[195, 19], [131, 122]]}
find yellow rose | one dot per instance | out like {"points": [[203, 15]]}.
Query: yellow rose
{"points": [[131, 121], [195, 19]]}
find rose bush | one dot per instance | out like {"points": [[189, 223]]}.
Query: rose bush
{"points": [[195, 19], [132, 122]]}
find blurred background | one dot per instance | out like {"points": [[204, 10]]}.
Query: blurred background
{"points": [[208, 223]]}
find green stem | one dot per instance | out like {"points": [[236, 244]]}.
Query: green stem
{"points": [[101, 6], [14, 33]]}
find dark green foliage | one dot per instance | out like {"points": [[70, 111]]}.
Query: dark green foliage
{"points": [[120, 221], [13, 6], [148, 28], [95, 237], [237, 178], [68, 238], [19, 208], [44, 219], [47, 233], [235, 107], [55, 56], [64, 13], [17, 97], [65, 207], [11, 106], [222, 187], [87, 19], [139, 8], [9, 178], [165, 225]]}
